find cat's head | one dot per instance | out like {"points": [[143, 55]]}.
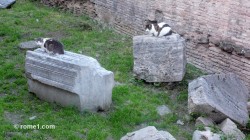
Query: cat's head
{"points": [[149, 24]]}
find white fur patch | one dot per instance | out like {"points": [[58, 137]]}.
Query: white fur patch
{"points": [[164, 31], [161, 24]]}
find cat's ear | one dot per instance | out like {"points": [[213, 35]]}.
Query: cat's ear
{"points": [[153, 21], [145, 23]]}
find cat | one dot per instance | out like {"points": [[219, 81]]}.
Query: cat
{"points": [[50, 45], [158, 29]]}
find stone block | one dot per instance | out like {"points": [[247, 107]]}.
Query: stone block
{"points": [[159, 59], [219, 96], [6, 3], [204, 121], [148, 133], [230, 129], [70, 80]]}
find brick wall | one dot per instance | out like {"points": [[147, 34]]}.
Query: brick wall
{"points": [[217, 31]]}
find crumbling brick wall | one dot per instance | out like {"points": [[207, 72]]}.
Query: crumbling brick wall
{"points": [[75, 6], [217, 31]]}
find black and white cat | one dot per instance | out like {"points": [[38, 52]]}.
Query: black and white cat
{"points": [[158, 29], [50, 45]]}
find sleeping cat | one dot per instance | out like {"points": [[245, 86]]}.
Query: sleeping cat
{"points": [[158, 29], [50, 45]]}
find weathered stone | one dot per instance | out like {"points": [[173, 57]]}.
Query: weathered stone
{"points": [[219, 97], [30, 45], [32, 118], [159, 59], [6, 3], [204, 121], [180, 122], [70, 80], [163, 110], [230, 129], [205, 135], [148, 133]]}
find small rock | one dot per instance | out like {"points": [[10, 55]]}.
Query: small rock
{"points": [[180, 122], [163, 110], [30, 45], [97, 56], [148, 133], [230, 129], [205, 135], [187, 118], [32, 118], [204, 121]]}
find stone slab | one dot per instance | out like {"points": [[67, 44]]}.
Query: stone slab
{"points": [[159, 59], [6, 3], [219, 96], [29, 45], [70, 80]]}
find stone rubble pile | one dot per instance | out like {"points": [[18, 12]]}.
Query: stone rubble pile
{"points": [[222, 98]]}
